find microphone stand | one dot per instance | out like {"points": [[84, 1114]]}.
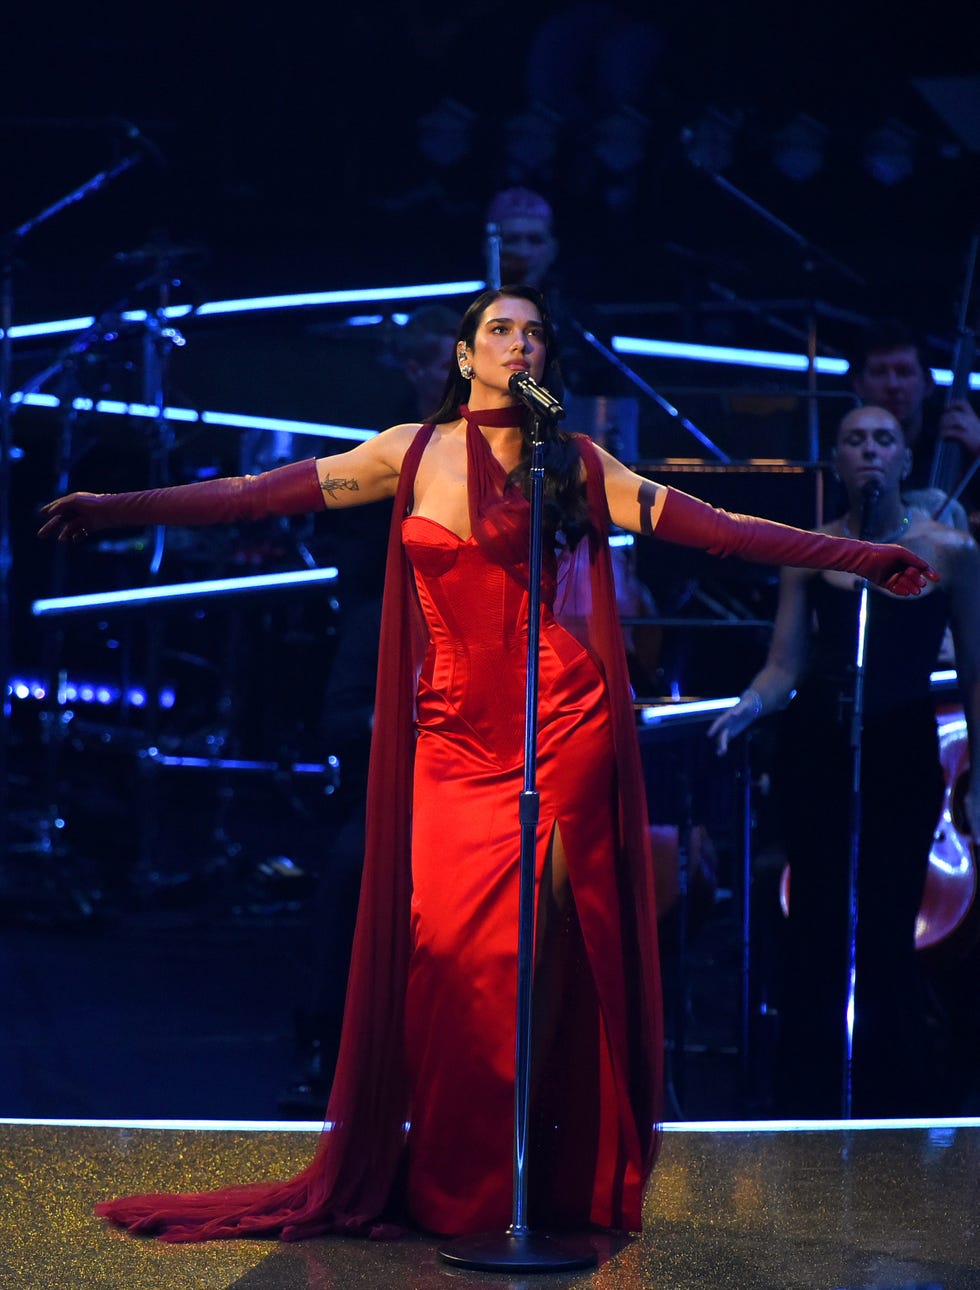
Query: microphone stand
{"points": [[868, 509], [612, 357], [857, 716], [8, 246], [518, 1249], [812, 256]]}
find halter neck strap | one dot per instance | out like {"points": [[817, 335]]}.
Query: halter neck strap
{"points": [[493, 417]]}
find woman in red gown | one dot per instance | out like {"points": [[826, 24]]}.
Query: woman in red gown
{"points": [[420, 1122]]}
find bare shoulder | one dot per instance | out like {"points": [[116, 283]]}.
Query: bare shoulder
{"points": [[367, 472], [952, 551], [387, 447], [396, 440]]}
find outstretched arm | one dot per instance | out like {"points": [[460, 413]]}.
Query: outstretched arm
{"points": [[366, 473], [643, 506]]}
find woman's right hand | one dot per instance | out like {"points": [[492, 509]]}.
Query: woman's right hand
{"points": [[71, 518], [735, 719]]}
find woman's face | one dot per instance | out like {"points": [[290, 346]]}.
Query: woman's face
{"points": [[871, 446], [509, 338]]}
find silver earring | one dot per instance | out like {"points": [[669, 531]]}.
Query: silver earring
{"points": [[466, 371]]}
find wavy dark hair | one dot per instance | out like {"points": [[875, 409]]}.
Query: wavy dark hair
{"points": [[565, 509]]}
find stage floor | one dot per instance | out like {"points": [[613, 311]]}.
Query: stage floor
{"points": [[744, 1207]]}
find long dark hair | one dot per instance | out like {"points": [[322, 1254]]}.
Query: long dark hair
{"points": [[565, 508]]}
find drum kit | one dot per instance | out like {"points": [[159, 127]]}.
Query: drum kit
{"points": [[203, 685]]}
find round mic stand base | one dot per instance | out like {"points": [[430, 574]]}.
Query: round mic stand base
{"points": [[526, 1252]]}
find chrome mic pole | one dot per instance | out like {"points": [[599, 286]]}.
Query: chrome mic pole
{"points": [[869, 505], [519, 1249]]}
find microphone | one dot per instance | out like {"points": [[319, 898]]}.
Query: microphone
{"points": [[870, 496], [535, 396]]}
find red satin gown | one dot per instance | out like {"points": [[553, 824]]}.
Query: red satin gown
{"points": [[462, 987], [428, 1039]]}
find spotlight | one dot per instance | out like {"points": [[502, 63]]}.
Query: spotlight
{"points": [[443, 134], [888, 153], [711, 143], [798, 148]]}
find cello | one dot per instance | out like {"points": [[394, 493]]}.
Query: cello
{"points": [[951, 880], [949, 893]]}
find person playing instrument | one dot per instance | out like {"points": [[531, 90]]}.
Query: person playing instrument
{"points": [[812, 661], [890, 368], [419, 1123]]}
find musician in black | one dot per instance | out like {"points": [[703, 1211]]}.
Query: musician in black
{"points": [[808, 678], [890, 368]]}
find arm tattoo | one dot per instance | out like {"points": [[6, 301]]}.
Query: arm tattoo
{"points": [[333, 486]]}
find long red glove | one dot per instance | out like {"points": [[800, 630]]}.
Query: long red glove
{"points": [[690, 522], [287, 490]]}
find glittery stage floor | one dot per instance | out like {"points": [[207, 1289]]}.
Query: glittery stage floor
{"points": [[888, 1207]]}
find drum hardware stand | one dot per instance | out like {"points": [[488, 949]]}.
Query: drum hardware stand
{"points": [[159, 339], [8, 255], [813, 256], [105, 330], [55, 718], [519, 1249], [743, 778], [675, 1074], [648, 389]]}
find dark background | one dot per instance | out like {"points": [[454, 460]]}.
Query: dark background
{"points": [[288, 146], [157, 956]]}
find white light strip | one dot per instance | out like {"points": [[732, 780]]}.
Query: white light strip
{"points": [[221, 1126], [312, 299], [816, 1126], [254, 304], [112, 407], [289, 427], [50, 328], [673, 1126], [238, 763], [657, 714], [725, 354], [209, 587], [776, 359], [623, 344]]}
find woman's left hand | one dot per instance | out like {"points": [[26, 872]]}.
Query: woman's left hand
{"points": [[896, 569]]}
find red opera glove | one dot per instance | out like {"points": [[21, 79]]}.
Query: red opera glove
{"points": [[690, 522], [287, 490]]}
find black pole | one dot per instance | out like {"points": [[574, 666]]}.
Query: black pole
{"points": [[519, 1249], [8, 251], [869, 501]]}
